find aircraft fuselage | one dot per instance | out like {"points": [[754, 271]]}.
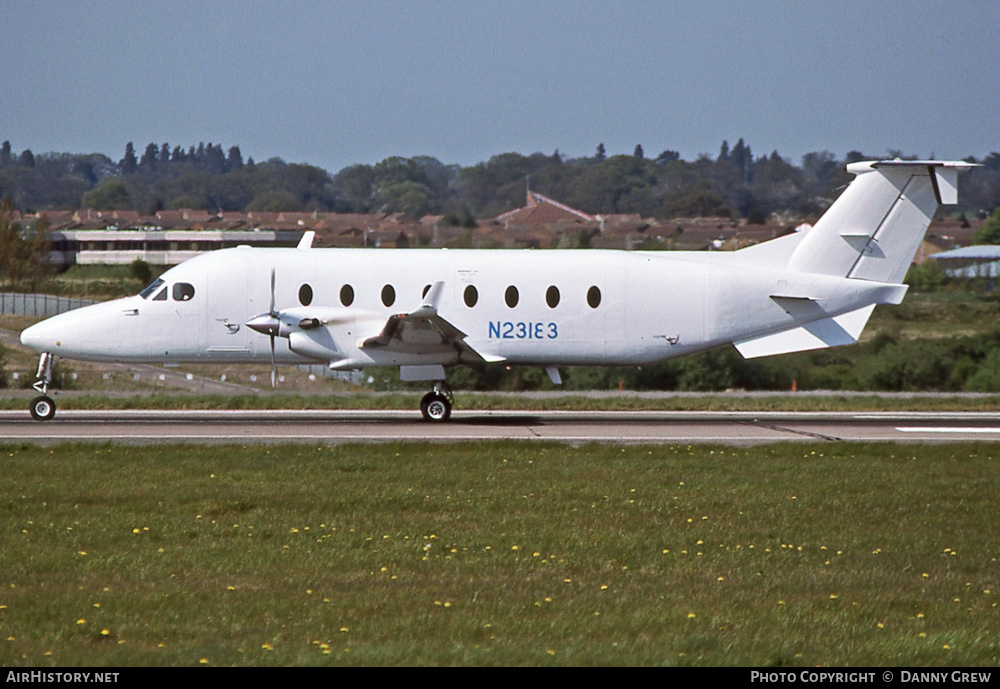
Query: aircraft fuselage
{"points": [[523, 307]]}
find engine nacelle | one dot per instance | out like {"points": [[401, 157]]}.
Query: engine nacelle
{"points": [[317, 344]]}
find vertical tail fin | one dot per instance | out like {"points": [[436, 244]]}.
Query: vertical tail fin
{"points": [[873, 230]]}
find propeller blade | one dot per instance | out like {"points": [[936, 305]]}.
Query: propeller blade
{"points": [[271, 310], [274, 371]]}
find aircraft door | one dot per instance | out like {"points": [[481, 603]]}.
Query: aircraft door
{"points": [[230, 304]]}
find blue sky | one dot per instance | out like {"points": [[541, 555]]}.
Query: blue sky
{"points": [[337, 83]]}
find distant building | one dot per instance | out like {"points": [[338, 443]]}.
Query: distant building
{"points": [[982, 261], [541, 210], [159, 247]]}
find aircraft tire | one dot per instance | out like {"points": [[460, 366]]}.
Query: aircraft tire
{"points": [[42, 408], [435, 407]]}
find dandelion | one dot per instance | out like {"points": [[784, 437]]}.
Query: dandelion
{"points": [[691, 616], [203, 661], [267, 647], [81, 621]]}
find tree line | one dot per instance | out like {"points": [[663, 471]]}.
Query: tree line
{"points": [[733, 184]]}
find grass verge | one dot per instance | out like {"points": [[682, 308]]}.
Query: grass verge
{"points": [[522, 402], [499, 554]]}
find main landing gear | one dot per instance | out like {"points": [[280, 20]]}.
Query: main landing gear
{"points": [[43, 408], [436, 405]]}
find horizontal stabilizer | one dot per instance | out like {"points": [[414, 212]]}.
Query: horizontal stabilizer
{"points": [[826, 332]]}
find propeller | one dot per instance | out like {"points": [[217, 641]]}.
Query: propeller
{"points": [[268, 324]]}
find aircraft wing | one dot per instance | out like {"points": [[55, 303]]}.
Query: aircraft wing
{"points": [[424, 331]]}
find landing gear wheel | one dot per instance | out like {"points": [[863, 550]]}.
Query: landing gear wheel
{"points": [[42, 408], [435, 407]]}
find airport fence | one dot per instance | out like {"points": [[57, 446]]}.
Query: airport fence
{"points": [[42, 305]]}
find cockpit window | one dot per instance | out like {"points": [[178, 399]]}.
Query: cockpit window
{"points": [[183, 291], [151, 288], [161, 295]]}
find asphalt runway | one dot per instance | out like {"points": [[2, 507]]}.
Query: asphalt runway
{"points": [[653, 427]]}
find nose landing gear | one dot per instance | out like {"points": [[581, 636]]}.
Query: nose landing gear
{"points": [[436, 405], [43, 408]]}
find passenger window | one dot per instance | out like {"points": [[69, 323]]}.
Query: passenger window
{"points": [[162, 296], [305, 295], [346, 295], [552, 296], [471, 296], [511, 296], [183, 291], [594, 297], [388, 295]]}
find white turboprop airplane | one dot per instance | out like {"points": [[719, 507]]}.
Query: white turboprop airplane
{"points": [[425, 310]]}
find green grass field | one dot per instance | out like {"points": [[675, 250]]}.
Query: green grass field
{"points": [[500, 554], [517, 402]]}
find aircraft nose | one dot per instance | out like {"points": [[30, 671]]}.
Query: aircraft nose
{"points": [[39, 337]]}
